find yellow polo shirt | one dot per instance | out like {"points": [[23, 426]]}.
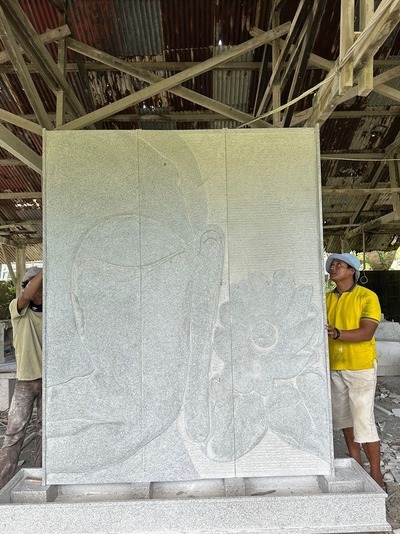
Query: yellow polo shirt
{"points": [[27, 341], [345, 313]]}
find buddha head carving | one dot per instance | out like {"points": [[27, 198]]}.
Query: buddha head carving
{"points": [[144, 290]]}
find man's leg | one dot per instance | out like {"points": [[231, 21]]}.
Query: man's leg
{"points": [[362, 386], [18, 418], [353, 447], [373, 453]]}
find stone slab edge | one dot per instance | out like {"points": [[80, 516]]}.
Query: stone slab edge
{"points": [[298, 514]]}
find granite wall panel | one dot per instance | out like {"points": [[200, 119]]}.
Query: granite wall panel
{"points": [[184, 326]]}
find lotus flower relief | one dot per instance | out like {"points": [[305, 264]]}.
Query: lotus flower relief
{"points": [[267, 339]]}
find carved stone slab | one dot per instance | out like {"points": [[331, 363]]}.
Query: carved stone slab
{"points": [[184, 325]]}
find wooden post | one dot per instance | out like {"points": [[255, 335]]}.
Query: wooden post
{"points": [[346, 41], [344, 245], [20, 267], [365, 78]]}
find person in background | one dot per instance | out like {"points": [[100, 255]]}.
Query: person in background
{"points": [[26, 318], [353, 314]]}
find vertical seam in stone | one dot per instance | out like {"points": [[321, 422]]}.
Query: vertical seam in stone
{"points": [[229, 305], [138, 136]]}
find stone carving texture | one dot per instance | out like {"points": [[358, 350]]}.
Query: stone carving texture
{"points": [[184, 298]]}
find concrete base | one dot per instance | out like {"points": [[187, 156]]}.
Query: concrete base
{"points": [[388, 357], [388, 348], [350, 501]]}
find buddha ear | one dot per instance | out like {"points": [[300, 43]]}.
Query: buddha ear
{"points": [[206, 285]]}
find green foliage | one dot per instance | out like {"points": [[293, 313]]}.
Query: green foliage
{"points": [[7, 294], [378, 260]]}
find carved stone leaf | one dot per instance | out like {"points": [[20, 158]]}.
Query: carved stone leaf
{"points": [[234, 432], [295, 414], [250, 422]]}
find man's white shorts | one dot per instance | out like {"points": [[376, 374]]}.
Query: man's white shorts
{"points": [[353, 395]]}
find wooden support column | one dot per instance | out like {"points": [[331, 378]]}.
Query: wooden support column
{"points": [[62, 65], [276, 89], [20, 267], [8, 263], [394, 175], [344, 245], [346, 41], [366, 76]]}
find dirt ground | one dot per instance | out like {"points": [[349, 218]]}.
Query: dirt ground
{"points": [[387, 399]]}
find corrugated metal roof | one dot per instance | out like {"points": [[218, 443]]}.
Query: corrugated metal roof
{"points": [[153, 31]]}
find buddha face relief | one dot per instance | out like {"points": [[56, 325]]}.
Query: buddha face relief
{"points": [[140, 289]]}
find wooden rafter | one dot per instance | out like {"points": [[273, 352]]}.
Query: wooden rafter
{"points": [[48, 37], [170, 84], [384, 20], [365, 77], [22, 122], [351, 75], [39, 55], [312, 24], [130, 68], [20, 194], [286, 57], [20, 150], [15, 55]]}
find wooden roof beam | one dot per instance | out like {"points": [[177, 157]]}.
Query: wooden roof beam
{"points": [[365, 77], [38, 53], [380, 25], [21, 122], [289, 50], [378, 83], [346, 41], [171, 83], [359, 190], [24, 121], [315, 62], [17, 60], [226, 111], [26, 222], [48, 37], [21, 194], [389, 92], [385, 219], [20, 150], [312, 25], [389, 152]]}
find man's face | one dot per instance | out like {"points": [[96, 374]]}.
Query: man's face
{"points": [[341, 272]]}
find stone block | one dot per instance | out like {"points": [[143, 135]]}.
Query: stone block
{"points": [[388, 357], [31, 490], [186, 336], [272, 505]]}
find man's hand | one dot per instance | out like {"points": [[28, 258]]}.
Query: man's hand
{"points": [[32, 291]]}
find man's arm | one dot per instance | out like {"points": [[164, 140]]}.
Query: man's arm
{"points": [[33, 286], [365, 332]]}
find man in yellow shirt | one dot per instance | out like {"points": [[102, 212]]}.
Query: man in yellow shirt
{"points": [[353, 314], [26, 318]]}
